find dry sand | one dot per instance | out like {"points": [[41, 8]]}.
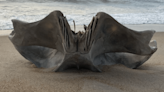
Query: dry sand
{"points": [[19, 75]]}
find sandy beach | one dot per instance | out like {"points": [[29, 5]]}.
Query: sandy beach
{"points": [[19, 75]]}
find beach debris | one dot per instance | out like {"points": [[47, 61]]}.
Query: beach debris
{"points": [[50, 42]]}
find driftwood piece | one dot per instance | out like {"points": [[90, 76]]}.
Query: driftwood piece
{"points": [[50, 42]]}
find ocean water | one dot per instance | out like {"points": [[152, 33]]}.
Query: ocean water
{"points": [[82, 11]]}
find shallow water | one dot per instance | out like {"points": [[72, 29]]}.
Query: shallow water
{"points": [[82, 11]]}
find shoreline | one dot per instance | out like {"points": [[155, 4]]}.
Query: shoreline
{"points": [[140, 27]]}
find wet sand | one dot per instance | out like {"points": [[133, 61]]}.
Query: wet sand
{"points": [[141, 27], [19, 75]]}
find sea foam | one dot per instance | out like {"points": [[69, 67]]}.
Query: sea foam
{"points": [[124, 11]]}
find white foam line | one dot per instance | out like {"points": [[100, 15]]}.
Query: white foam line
{"points": [[131, 18]]}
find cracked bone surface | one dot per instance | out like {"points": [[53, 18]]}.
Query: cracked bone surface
{"points": [[50, 42]]}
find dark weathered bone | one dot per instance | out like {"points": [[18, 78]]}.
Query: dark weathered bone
{"points": [[51, 43]]}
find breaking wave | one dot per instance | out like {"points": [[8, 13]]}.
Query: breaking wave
{"points": [[124, 11], [105, 1]]}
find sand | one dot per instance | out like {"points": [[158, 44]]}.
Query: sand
{"points": [[141, 27], [19, 75]]}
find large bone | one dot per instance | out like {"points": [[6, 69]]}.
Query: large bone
{"points": [[50, 42]]}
